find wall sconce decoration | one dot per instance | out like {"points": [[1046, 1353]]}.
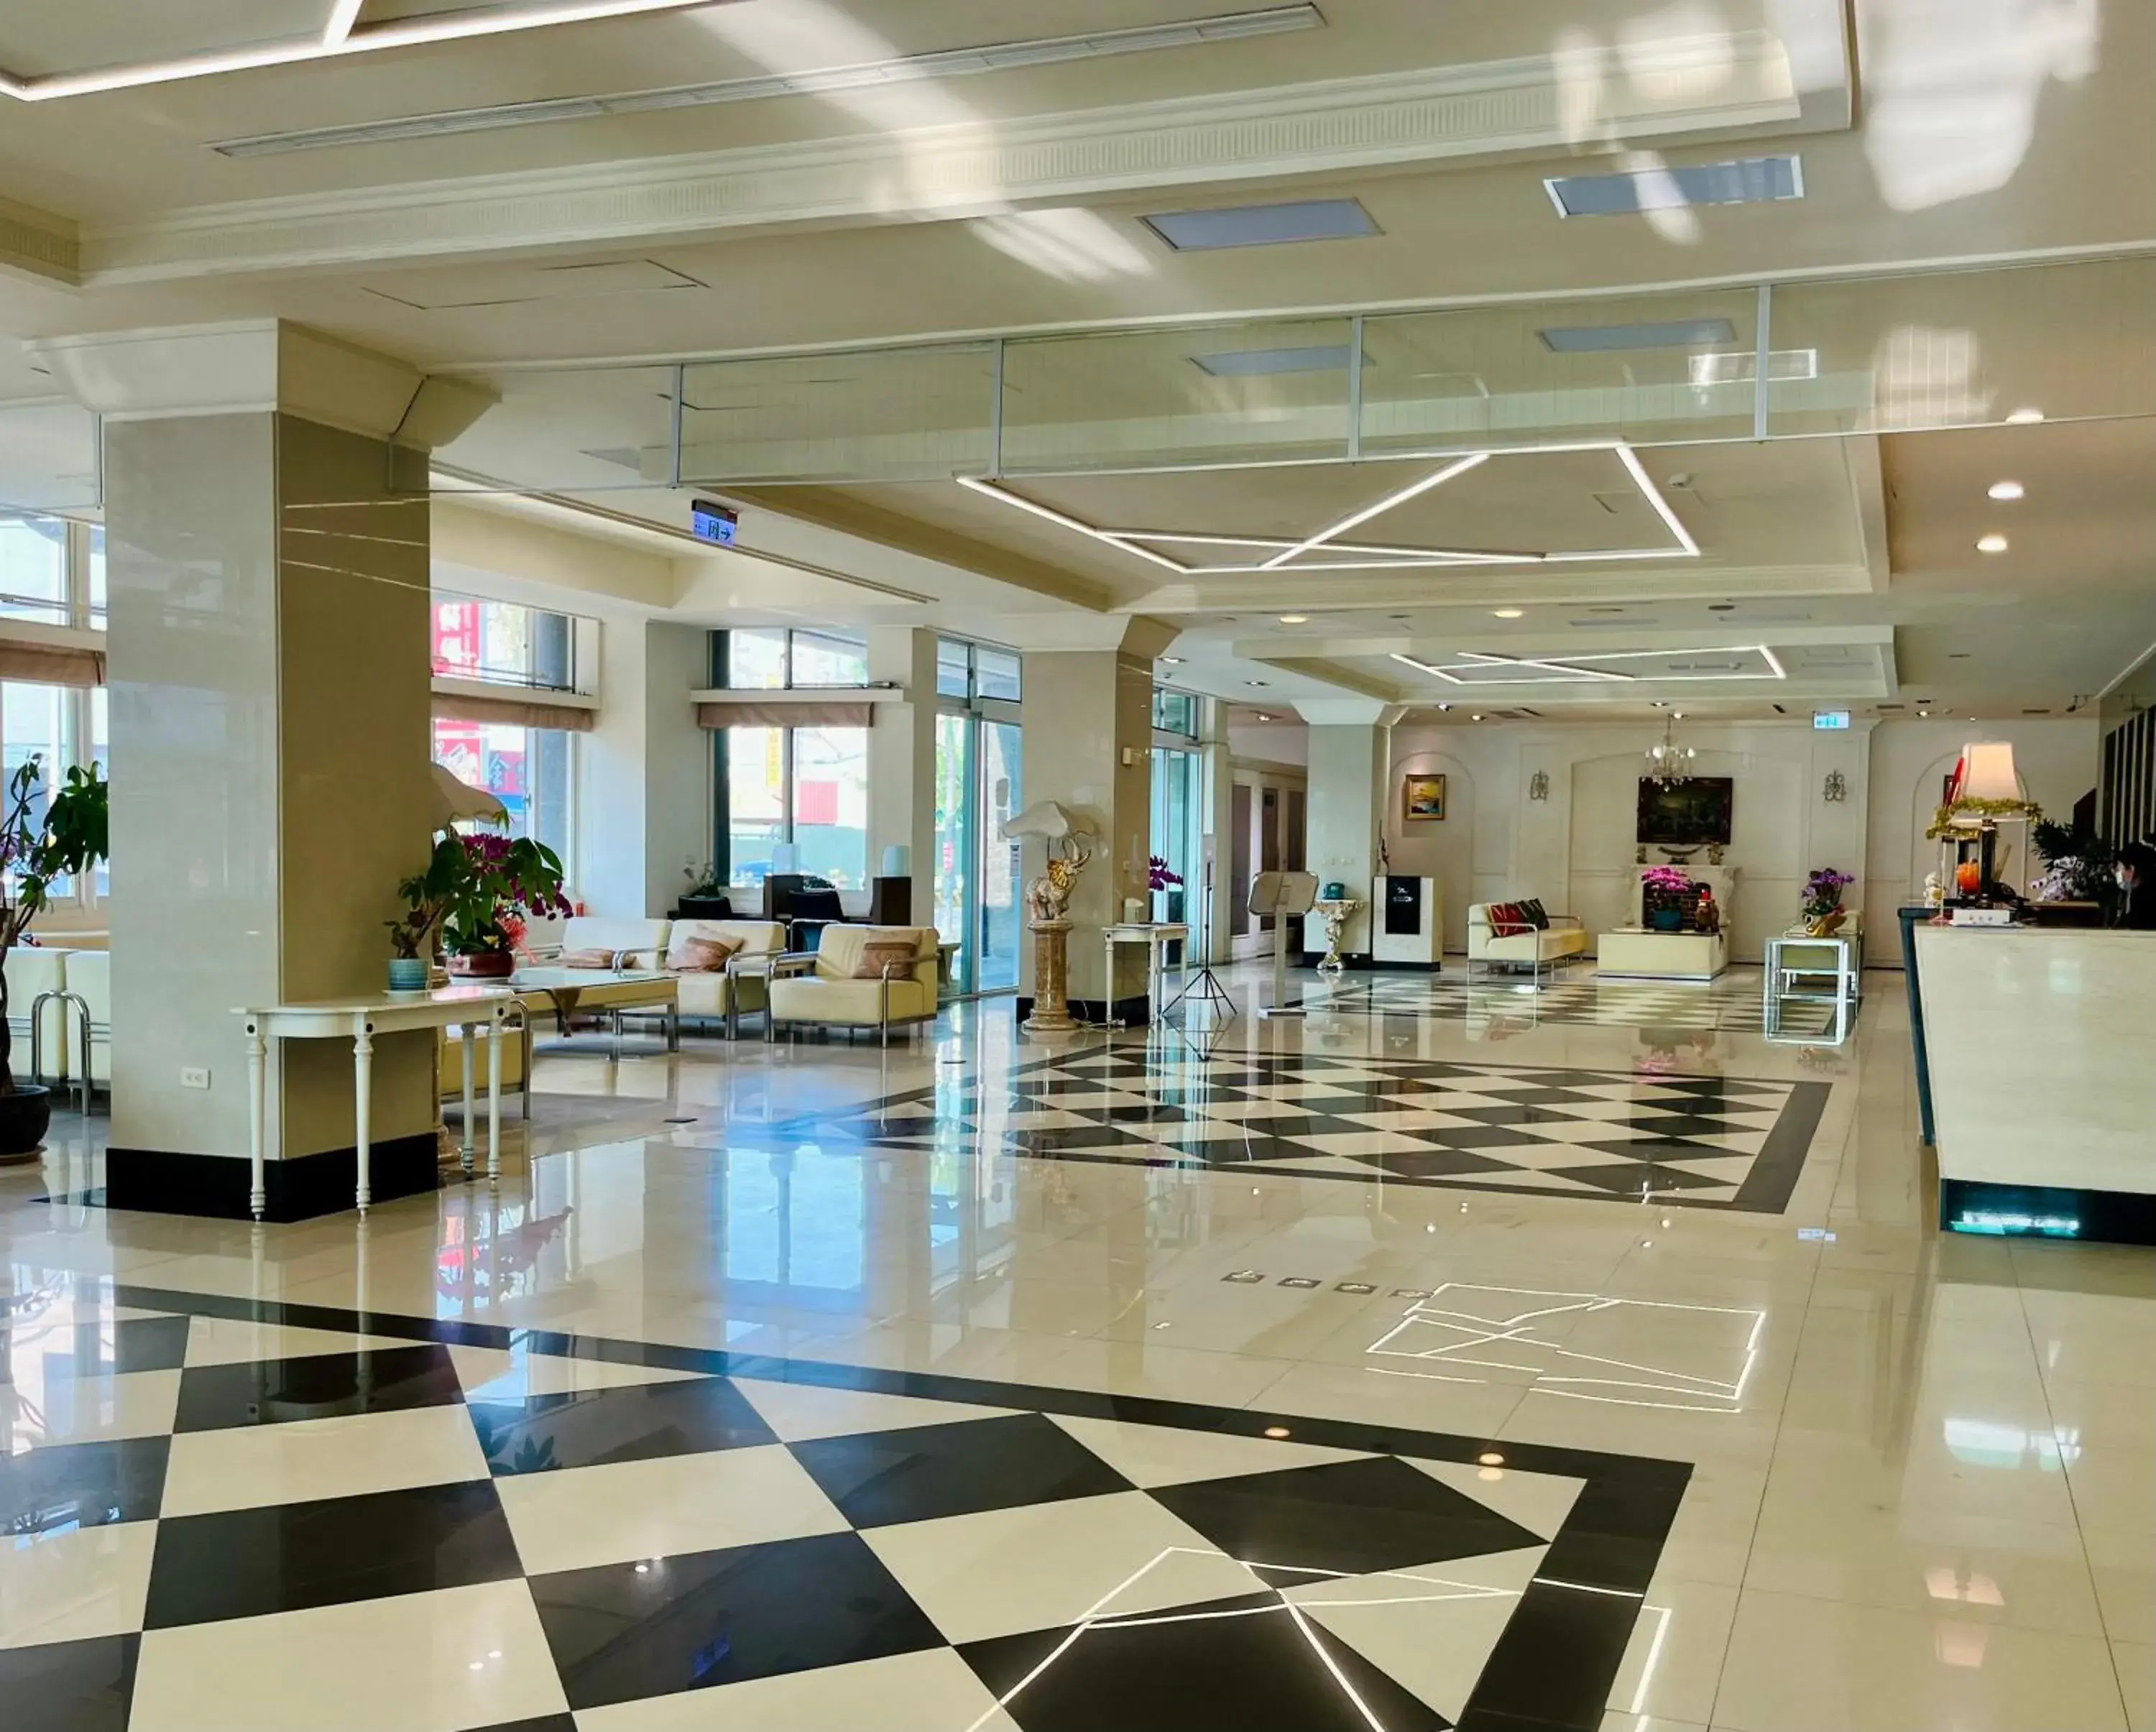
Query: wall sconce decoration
{"points": [[1538, 785], [1837, 787]]}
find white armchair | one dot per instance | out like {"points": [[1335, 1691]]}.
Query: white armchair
{"points": [[831, 986], [743, 984]]}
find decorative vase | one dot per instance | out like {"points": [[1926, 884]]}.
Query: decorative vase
{"points": [[1666, 920], [482, 965], [407, 974]]}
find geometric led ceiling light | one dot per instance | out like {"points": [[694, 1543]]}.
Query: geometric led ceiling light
{"points": [[334, 28], [1326, 547], [1746, 662]]}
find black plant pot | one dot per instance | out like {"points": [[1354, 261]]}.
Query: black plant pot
{"points": [[704, 907], [24, 1116]]}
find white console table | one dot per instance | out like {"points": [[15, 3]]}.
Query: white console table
{"points": [[1155, 936], [359, 1021]]}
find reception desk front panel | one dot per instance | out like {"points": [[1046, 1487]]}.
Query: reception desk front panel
{"points": [[2042, 1048]]}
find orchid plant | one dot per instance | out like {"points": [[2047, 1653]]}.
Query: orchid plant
{"points": [[1160, 876], [1672, 880], [1823, 892]]}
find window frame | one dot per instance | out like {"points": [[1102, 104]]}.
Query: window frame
{"points": [[722, 659], [573, 651], [566, 827], [972, 697]]}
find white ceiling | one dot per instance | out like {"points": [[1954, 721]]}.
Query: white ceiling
{"points": [[1930, 131]]}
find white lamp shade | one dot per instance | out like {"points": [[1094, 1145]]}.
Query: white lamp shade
{"points": [[897, 860], [1047, 818], [1987, 771]]}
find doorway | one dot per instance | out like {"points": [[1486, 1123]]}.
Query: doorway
{"points": [[977, 869]]}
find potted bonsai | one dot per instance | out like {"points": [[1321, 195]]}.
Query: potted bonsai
{"points": [[69, 839], [473, 898]]}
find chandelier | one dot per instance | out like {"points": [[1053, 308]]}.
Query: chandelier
{"points": [[1667, 762]]}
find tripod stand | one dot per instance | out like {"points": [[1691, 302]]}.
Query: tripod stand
{"points": [[1205, 984]]}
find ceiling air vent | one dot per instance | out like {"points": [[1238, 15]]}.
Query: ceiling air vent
{"points": [[1653, 334], [1751, 180], [1262, 226], [1253, 363]]}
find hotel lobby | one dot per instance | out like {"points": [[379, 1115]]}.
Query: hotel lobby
{"points": [[805, 931]]}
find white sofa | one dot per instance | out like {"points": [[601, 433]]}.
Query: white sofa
{"points": [[818, 986], [1540, 950], [709, 994]]}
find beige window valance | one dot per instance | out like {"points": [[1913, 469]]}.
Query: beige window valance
{"points": [[836, 713], [51, 664], [513, 712]]}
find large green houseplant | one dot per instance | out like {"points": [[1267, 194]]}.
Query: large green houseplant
{"points": [[67, 838]]}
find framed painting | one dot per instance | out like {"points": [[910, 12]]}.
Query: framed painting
{"points": [[1422, 798]]}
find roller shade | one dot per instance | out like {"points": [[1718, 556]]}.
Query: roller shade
{"points": [[513, 712], [51, 664], [752, 714]]}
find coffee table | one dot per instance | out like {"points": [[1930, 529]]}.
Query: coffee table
{"points": [[607, 992]]}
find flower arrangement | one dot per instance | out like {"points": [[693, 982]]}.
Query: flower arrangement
{"points": [[1670, 881], [477, 891], [1823, 892], [2078, 866], [1160, 876]]}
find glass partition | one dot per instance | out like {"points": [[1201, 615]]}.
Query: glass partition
{"points": [[1147, 400]]}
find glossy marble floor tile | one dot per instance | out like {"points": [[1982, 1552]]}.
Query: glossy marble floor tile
{"points": [[1288, 1376]]}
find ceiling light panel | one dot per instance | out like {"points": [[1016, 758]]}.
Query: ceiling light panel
{"points": [[1657, 334], [1252, 363], [944, 63], [1262, 226], [1752, 180]]}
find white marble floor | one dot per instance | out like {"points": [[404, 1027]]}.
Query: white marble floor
{"points": [[1923, 1484]]}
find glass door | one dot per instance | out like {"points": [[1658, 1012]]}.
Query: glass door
{"points": [[978, 892]]}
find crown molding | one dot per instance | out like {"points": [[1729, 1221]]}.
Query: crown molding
{"points": [[38, 243], [1688, 87], [1482, 585]]}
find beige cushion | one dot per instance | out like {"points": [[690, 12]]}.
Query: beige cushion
{"points": [[756, 938], [889, 958], [839, 952], [638, 943], [688, 953], [591, 959]]}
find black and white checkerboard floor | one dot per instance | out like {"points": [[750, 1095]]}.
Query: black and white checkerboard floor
{"points": [[227, 1517], [1717, 1142], [1734, 1002]]}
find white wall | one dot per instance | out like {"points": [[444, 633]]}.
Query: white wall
{"points": [[2058, 760], [643, 772], [1576, 850], [1269, 741]]}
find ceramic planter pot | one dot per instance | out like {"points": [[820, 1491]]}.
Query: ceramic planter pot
{"points": [[407, 974], [24, 1116]]}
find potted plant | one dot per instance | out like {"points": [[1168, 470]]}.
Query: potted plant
{"points": [[1663, 891], [70, 838], [1165, 882], [705, 898], [2079, 866], [1823, 913], [476, 893]]}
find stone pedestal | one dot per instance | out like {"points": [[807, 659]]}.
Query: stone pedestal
{"points": [[1051, 978]]}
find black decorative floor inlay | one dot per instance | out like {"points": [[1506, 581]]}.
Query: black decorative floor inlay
{"points": [[1700, 1142], [836, 1543]]}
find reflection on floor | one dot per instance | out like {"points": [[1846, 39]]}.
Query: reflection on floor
{"points": [[1500, 1004], [1699, 1141], [714, 1413]]}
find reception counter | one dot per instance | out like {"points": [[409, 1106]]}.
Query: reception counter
{"points": [[2041, 1044]]}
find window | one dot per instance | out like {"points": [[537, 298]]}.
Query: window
{"points": [[60, 726], [33, 570], [525, 768], [807, 786], [774, 659], [1174, 712], [967, 671], [503, 645]]}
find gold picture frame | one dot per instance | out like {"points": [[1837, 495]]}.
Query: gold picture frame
{"points": [[1422, 799]]}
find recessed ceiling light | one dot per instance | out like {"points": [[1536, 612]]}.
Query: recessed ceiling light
{"points": [[1173, 661], [1261, 225], [1261, 364], [1924, 713], [2024, 417], [2004, 490], [1254, 682], [1295, 618], [1992, 544], [1445, 706], [1752, 180], [1510, 612], [1474, 718]]}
